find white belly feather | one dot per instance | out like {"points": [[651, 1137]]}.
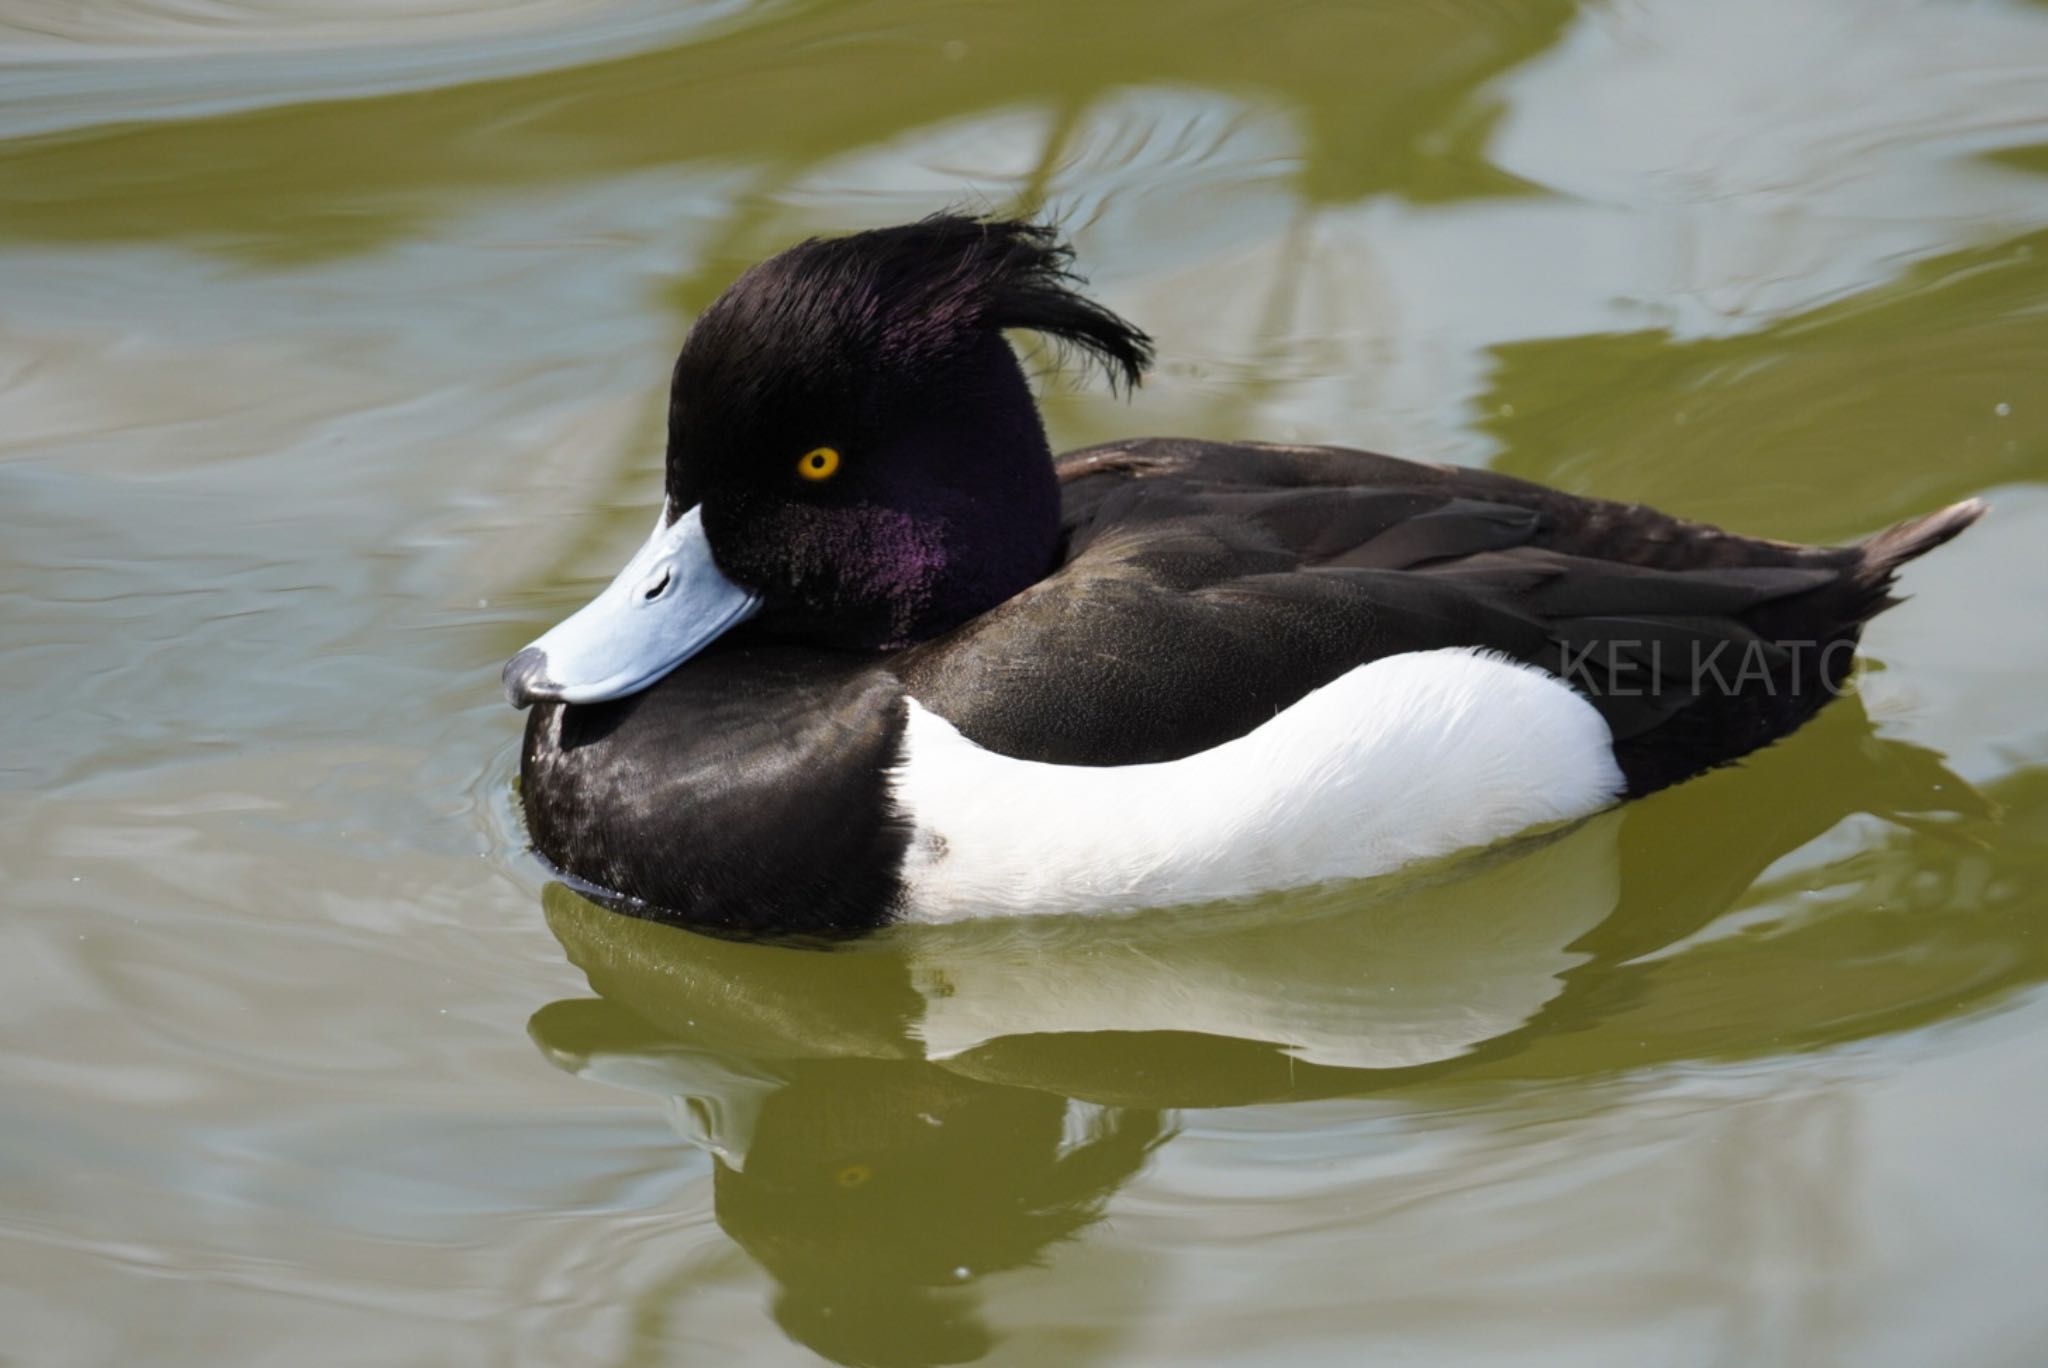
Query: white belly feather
{"points": [[1405, 759]]}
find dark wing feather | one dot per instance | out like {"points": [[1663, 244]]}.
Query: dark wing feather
{"points": [[1206, 586]]}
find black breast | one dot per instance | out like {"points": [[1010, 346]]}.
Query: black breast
{"points": [[746, 792]]}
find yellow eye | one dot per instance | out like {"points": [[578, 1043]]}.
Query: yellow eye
{"points": [[853, 1175], [819, 463]]}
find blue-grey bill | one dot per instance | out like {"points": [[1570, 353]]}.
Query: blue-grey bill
{"points": [[669, 603]]}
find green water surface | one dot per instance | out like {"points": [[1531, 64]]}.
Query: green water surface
{"points": [[333, 343]]}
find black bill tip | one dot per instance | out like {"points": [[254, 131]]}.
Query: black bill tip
{"points": [[526, 678]]}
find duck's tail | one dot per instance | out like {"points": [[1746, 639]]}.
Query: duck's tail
{"points": [[1815, 633], [1882, 555]]}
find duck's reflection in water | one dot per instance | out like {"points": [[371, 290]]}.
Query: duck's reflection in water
{"points": [[892, 1120], [874, 1191], [961, 1179]]}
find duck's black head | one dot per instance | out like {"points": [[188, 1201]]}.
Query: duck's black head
{"points": [[860, 436], [854, 456]]}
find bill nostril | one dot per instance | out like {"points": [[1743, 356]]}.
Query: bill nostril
{"points": [[526, 677]]}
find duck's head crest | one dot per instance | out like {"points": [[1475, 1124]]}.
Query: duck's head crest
{"points": [[854, 455], [843, 327], [884, 351]]}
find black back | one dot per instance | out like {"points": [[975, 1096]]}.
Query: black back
{"points": [[1206, 586]]}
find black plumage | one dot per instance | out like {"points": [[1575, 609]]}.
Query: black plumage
{"points": [[1128, 603], [1206, 585], [746, 793]]}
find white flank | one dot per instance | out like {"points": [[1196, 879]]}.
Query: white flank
{"points": [[1401, 760]]}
